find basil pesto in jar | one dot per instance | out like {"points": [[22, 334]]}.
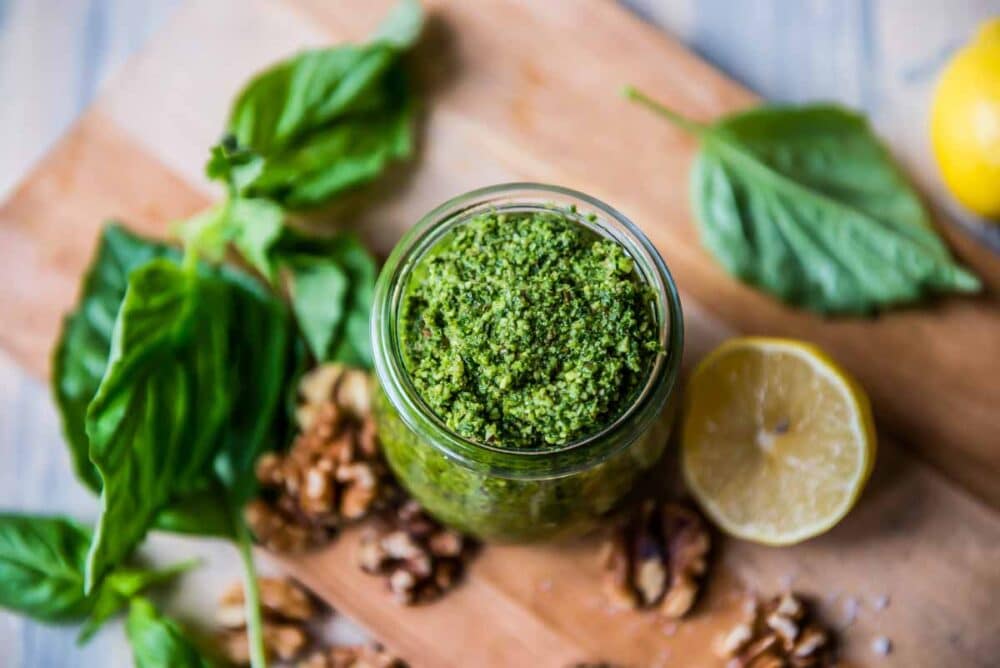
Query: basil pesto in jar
{"points": [[527, 341]]}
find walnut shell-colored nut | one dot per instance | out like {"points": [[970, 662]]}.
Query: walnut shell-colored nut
{"points": [[617, 579], [273, 530], [680, 598], [284, 641], [446, 543], [280, 597], [786, 629], [651, 579], [354, 393], [734, 640], [400, 545], [318, 491], [446, 573], [372, 557], [320, 384], [810, 641], [788, 605], [402, 584], [368, 438], [767, 660]]}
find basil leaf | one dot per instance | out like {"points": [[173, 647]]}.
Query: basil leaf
{"points": [[158, 641], [806, 203], [41, 566], [82, 352], [161, 405], [352, 344], [193, 393], [319, 291], [122, 586], [42, 563], [322, 122], [332, 286], [263, 361]]}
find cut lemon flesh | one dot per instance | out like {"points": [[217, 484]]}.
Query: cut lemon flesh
{"points": [[778, 441]]}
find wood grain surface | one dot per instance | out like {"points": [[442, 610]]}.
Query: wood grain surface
{"points": [[511, 97]]}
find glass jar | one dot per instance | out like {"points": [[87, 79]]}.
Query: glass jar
{"points": [[521, 495]]}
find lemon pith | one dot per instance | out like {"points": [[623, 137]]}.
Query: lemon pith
{"points": [[777, 440]]}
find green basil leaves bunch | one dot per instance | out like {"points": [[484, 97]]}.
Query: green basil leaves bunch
{"points": [[299, 135], [807, 204], [174, 371]]}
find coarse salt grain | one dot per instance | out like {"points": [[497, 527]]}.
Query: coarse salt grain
{"points": [[882, 646]]}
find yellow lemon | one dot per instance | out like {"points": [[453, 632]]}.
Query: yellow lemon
{"points": [[965, 123], [777, 442]]}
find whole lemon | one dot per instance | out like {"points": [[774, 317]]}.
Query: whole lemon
{"points": [[965, 123]]}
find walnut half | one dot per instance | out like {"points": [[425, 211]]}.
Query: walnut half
{"points": [[419, 558], [658, 558], [287, 608], [781, 632]]}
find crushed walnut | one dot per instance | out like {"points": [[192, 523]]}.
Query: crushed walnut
{"points": [[287, 610], [657, 558], [420, 559], [780, 633], [333, 473], [353, 656]]}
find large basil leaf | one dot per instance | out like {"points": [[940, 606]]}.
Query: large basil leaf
{"points": [[263, 363], [159, 410], [806, 203], [81, 355], [322, 122], [41, 566], [193, 393], [42, 562], [158, 641]]}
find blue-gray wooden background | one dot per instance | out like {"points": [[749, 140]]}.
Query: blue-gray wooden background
{"points": [[878, 55]]}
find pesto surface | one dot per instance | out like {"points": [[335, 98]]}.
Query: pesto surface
{"points": [[527, 330]]}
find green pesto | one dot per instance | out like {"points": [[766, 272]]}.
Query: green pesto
{"points": [[503, 509], [527, 330]]}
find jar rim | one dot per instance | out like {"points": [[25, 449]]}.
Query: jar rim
{"points": [[524, 196]]}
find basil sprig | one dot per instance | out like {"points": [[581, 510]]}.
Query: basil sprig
{"points": [[42, 564], [322, 122], [173, 373], [806, 203]]}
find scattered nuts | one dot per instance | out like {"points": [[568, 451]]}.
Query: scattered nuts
{"points": [[419, 558], [279, 597], [332, 474], [779, 633], [353, 656], [287, 608], [658, 557]]}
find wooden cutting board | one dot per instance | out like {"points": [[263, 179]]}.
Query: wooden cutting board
{"points": [[528, 90]]}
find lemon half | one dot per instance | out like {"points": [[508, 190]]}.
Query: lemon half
{"points": [[778, 441]]}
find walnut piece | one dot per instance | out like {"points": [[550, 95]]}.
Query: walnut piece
{"points": [[279, 597], [332, 474], [286, 610], [780, 633], [420, 559], [353, 656], [658, 558]]}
